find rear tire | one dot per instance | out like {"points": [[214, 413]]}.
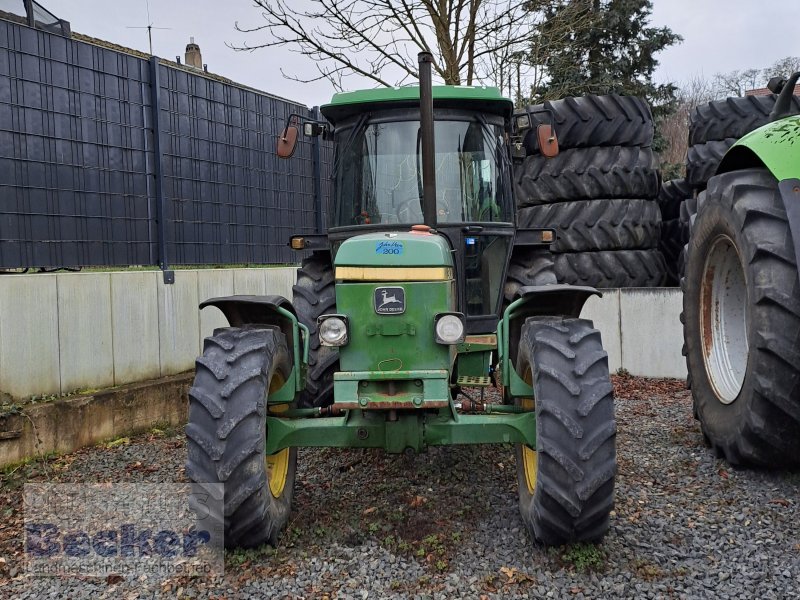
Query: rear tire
{"points": [[566, 487], [313, 295], [585, 121], [703, 159], [731, 118], [587, 173], [528, 267], [742, 321], [670, 197], [588, 225], [226, 432], [611, 268]]}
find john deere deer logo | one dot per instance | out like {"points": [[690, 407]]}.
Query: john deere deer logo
{"points": [[390, 301]]}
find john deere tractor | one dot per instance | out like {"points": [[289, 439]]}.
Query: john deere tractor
{"points": [[397, 310], [741, 305]]}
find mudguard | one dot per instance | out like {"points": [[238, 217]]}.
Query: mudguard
{"points": [[275, 311], [774, 146], [562, 300]]}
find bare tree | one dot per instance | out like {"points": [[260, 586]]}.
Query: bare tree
{"points": [[675, 127], [736, 83], [379, 39], [783, 68]]}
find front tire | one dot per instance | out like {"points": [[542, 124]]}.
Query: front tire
{"points": [[566, 485], [226, 433], [741, 314]]}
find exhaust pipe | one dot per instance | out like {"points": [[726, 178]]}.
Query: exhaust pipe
{"points": [[427, 138]]}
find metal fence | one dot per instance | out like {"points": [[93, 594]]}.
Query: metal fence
{"points": [[110, 159]]}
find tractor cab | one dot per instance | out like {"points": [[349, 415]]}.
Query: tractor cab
{"points": [[378, 183]]}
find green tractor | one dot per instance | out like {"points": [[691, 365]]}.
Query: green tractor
{"points": [[741, 306], [397, 310]]}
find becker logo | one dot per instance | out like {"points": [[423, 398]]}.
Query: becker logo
{"points": [[390, 300]]}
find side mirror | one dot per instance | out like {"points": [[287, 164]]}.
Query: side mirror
{"points": [[548, 142], [287, 142]]}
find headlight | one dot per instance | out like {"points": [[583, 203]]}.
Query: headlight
{"points": [[449, 328], [332, 330]]}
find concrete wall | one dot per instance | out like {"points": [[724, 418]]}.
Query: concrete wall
{"points": [[641, 330], [76, 331]]}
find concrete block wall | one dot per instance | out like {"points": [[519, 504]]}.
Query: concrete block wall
{"points": [[641, 330], [77, 331]]}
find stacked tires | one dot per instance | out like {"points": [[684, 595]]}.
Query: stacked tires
{"points": [[599, 193], [713, 129]]}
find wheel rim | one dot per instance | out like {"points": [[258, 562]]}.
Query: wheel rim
{"points": [[278, 463], [723, 319], [529, 456]]}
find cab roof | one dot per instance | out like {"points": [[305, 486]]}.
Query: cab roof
{"points": [[484, 99]]}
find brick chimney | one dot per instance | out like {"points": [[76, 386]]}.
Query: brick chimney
{"points": [[193, 56]]}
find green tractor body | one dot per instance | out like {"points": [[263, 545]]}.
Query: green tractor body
{"points": [[398, 309], [741, 316]]}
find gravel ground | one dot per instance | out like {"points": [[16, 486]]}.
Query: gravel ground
{"points": [[445, 524]]}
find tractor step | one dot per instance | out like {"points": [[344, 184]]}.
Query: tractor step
{"points": [[469, 381]]}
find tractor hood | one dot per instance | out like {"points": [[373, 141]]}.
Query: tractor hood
{"points": [[395, 249]]}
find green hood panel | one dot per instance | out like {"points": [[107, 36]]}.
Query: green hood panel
{"points": [[394, 250], [777, 145]]}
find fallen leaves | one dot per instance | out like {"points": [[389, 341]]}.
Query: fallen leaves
{"points": [[417, 501]]}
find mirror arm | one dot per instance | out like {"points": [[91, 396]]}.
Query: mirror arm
{"points": [[319, 126]]}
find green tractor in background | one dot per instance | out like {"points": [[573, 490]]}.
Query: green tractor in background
{"points": [[741, 306], [400, 306]]}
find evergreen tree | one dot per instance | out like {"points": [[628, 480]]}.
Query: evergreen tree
{"points": [[610, 49]]}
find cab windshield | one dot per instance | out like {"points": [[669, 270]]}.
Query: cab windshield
{"points": [[379, 173]]}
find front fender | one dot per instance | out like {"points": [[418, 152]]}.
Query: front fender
{"points": [[274, 311], [560, 300]]}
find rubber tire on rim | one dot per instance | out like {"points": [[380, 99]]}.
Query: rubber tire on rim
{"points": [[611, 268], [593, 121], [226, 433], [528, 267], [575, 432], [587, 173], [313, 295], [703, 159], [670, 197], [731, 118], [597, 224], [761, 426]]}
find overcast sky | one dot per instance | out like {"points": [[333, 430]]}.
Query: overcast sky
{"points": [[719, 36]]}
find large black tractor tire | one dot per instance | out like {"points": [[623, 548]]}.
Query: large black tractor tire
{"points": [[731, 118], [588, 225], [528, 267], [566, 486], [703, 159], [226, 433], [741, 316], [674, 235], [611, 268], [670, 197], [593, 121], [313, 295], [586, 173]]}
